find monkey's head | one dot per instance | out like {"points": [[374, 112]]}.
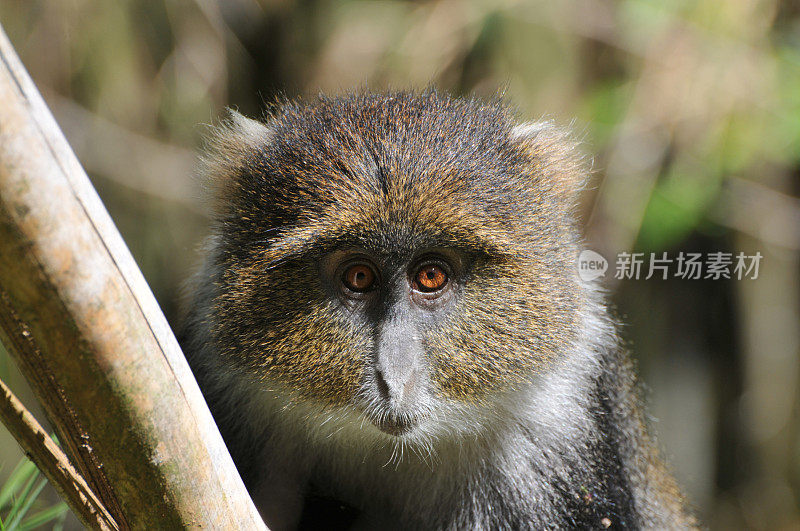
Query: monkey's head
{"points": [[393, 255]]}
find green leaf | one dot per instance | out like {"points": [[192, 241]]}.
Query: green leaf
{"points": [[677, 206], [44, 516], [22, 473], [21, 500], [26, 504], [603, 109]]}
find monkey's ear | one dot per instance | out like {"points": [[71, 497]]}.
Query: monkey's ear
{"points": [[555, 159], [230, 148]]}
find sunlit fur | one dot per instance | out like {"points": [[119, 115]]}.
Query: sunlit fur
{"points": [[529, 415]]}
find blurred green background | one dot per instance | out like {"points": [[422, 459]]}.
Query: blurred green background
{"points": [[691, 111]]}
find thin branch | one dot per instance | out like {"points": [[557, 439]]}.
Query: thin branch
{"points": [[53, 463]]}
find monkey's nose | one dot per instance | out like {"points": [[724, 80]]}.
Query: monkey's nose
{"points": [[397, 387], [396, 426]]}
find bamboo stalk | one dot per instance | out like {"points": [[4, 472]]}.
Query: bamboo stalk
{"points": [[82, 324]]}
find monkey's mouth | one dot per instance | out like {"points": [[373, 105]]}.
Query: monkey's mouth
{"points": [[394, 425]]}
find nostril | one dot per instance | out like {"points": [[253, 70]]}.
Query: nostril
{"points": [[383, 387], [395, 389]]}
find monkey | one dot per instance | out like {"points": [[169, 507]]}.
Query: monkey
{"points": [[391, 333]]}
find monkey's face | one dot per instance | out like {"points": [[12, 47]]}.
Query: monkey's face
{"points": [[379, 266], [396, 301]]}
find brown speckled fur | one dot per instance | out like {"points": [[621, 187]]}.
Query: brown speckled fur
{"points": [[528, 397]]}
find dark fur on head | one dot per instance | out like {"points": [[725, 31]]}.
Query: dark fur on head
{"points": [[519, 409]]}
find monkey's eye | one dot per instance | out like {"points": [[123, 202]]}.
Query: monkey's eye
{"points": [[359, 278], [430, 278]]}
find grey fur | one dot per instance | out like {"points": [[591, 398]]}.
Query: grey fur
{"points": [[562, 447]]}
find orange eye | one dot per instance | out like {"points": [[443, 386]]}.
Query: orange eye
{"points": [[430, 278], [359, 278]]}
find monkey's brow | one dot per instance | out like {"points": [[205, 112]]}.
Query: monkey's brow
{"points": [[309, 242]]}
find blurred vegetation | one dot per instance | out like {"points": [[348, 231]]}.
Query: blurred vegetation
{"points": [[691, 110], [18, 496]]}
